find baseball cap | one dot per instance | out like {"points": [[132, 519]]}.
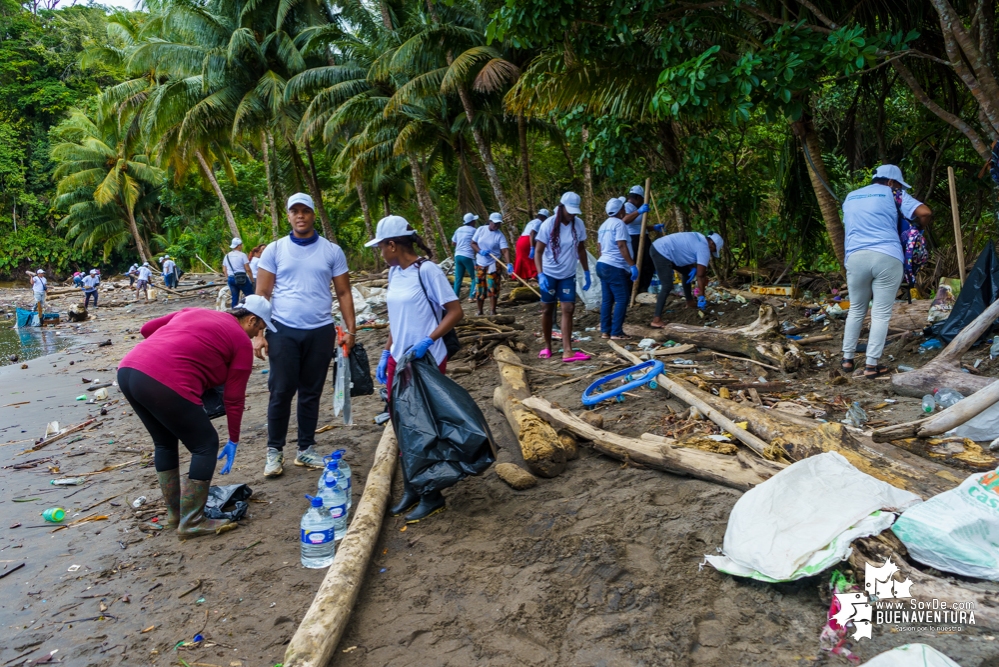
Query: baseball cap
{"points": [[260, 307], [143, 264], [719, 243], [637, 190], [544, 212], [40, 271], [470, 217], [236, 242], [300, 198], [390, 227], [571, 202], [891, 172], [93, 272], [166, 256], [613, 206], [495, 217]]}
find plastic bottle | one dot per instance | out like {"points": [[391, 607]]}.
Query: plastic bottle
{"points": [[334, 499], [348, 487], [335, 467], [317, 535], [654, 286], [929, 404], [994, 352], [947, 397]]}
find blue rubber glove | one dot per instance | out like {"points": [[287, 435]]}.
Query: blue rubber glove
{"points": [[634, 273], [229, 454], [692, 275], [702, 302], [659, 228], [644, 208], [509, 269], [486, 256], [381, 373], [543, 282], [586, 280], [531, 254], [421, 348]]}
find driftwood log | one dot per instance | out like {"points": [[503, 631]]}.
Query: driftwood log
{"points": [[906, 316], [760, 340], [742, 471], [945, 369], [539, 443], [944, 420], [317, 635]]}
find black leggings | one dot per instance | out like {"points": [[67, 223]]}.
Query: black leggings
{"points": [[665, 268], [168, 416]]}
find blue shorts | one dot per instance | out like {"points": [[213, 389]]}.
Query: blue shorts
{"points": [[561, 289]]}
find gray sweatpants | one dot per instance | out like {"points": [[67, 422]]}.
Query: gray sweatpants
{"points": [[870, 275]]}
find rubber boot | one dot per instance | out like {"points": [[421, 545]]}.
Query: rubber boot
{"points": [[170, 486], [430, 504], [408, 500], [193, 522]]}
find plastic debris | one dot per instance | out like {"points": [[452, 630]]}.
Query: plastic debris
{"points": [[931, 344], [139, 502], [855, 416]]}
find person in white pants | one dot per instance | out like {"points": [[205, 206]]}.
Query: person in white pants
{"points": [[874, 257]]}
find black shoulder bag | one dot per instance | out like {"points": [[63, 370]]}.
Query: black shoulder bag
{"points": [[451, 342], [238, 276]]}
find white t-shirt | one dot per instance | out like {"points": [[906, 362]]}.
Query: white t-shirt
{"points": [[90, 283], [635, 226], [565, 265], [235, 262], [612, 231], [145, 273], [684, 248], [491, 242], [38, 284], [532, 226], [462, 238], [254, 263], [871, 221], [169, 266], [411, 317], [302, 298]]}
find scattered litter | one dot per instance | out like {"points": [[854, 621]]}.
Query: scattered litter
{"points": [[905, 369], [54, 514], [101, 394], [68, 481], [855, 416], [646, 344], [931, 344], [73, 568], [139, 502], [81, 397]]}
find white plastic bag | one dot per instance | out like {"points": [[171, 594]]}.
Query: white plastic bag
{"points": [[802, 520], [591, 297], [911, 655], [958, 530], [983, 427]]}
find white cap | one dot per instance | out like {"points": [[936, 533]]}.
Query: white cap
{"points": [[891, 172], [143, 264], [40, 271], [613, 206], [719, 243], [470, 217], [260, 307], [390, 227], [571, 202], [236, 242], [545, 212], [300, 198], [637, 190], [166, 256], [622, 199], [93, 272], [495, 217]]}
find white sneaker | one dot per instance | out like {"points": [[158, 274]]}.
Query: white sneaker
{"points": [[309, 458], [275, 463]]}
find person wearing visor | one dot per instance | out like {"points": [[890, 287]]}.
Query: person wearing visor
{"points": [[489, 244], [182, 356], [294, 274], [688, 253], [464, 255], [616, 270]]}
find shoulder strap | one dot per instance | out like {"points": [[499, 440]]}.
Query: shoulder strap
{"points": [[419, 275], [228, 259]]}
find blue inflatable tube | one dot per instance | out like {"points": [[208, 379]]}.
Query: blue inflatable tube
{"points": [[651, 369]]}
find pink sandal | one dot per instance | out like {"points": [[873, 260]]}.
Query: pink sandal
{"points": [[545, 354], [578, 356]]}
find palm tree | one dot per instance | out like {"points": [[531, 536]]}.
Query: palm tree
{"points": [[102, 177]]}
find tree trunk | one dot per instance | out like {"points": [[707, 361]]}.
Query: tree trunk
{"points": [[386, 16], [492, 174], [386, 209], [210, 175], [275, 220], [362, 198], [817, 172], [588, 187], [140, 244], [525, 163], [474, 199], [313, 185], [431, 221], [568, 156]]}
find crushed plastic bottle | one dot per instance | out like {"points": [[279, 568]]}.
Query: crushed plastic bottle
{"points": [[316, 535], [947, 397], [855, 416], [902, 368], [931, 344], [929, 403]]}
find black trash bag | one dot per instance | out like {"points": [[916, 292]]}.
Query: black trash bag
{"points": [[980, 289], [443, 435], [228, 502], [213, 401], [361, 383]]}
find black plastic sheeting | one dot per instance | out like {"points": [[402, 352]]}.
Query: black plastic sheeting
{"points": [[443, 435], [980, 289], [228, 502]]}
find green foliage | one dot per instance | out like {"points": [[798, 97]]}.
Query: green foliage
{"points": [[33, 248]]}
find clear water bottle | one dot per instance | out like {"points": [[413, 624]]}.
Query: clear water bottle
{"points": [[654, 286], [334, 499], [335, 467], [317, 535], [929, 404], [348, 484], [947, 397]]}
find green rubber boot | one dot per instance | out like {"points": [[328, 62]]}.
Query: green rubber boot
{"points": [[193, 522], [170, 486], [430, 504]]}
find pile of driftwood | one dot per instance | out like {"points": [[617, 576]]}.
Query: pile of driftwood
{"points": [[479, 336]]}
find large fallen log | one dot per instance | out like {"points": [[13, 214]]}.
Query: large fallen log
{"points": [[760, 340], [539, 443], [945, 369], [944, 420], [317, 635], [681, 392], [742, 471], [906, 316]]}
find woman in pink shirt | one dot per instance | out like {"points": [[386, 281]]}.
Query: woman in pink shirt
{"points": [[184, 355]]}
